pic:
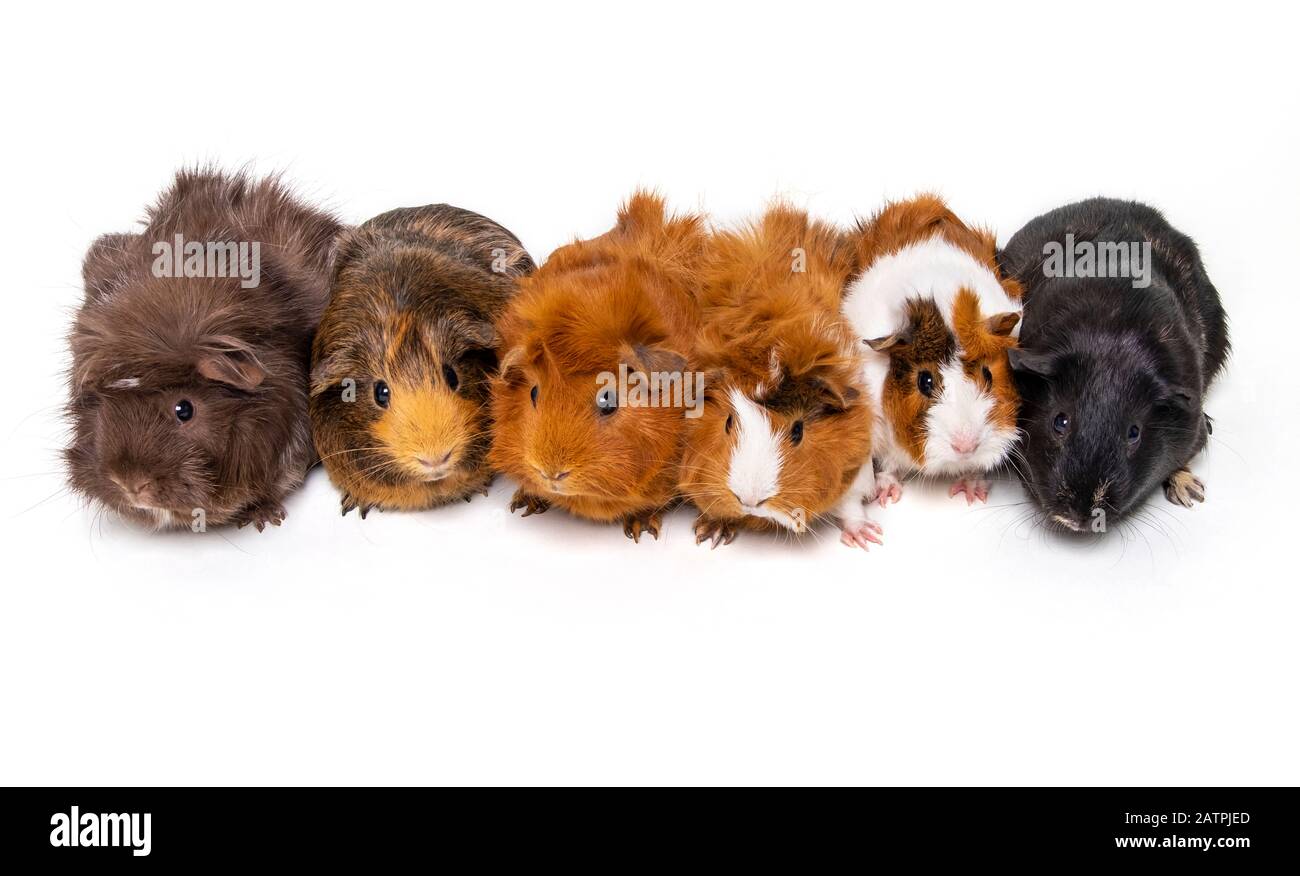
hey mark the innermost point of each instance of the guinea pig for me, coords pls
(404, 353)
(936, 318)
(785, 427)
(190, 353)
(600, 319)
(1123, 333)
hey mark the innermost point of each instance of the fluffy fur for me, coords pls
(936, 319)
(415, 295)
(627, 297)
(141, 345)
(1126, 368)
(785, 426)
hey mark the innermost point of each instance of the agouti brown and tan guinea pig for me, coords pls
(786, 425)
(626, 298)
(404, 353)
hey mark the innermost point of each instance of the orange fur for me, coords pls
(776, 335)
(629, 296)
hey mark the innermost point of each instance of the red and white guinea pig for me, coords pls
(785, 426)
(935, 319)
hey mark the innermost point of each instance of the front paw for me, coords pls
(530, 503)
(860, 533)
(1184, 488)
(975, 488)
(716, 531)
(348, 502)
(642, 521)
(888, 488)
(261, 514)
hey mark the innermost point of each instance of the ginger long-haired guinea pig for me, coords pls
(403, 357)
(786, 427)
(190, 352)
(601, 317)
(936, 319)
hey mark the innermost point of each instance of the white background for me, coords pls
(467, 646)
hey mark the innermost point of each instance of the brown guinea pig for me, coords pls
(402, 359)
(936, 319)
(188, 388)
(589, 331)
(786, 427)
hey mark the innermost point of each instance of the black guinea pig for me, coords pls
(1122, 334)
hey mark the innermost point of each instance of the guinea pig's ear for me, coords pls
(648, 359)
(510, 367)
(1179, 397)
(1002, 324)
(104, 260)
(481, 334)
(886, 344)
(1026, 362)
(230, 361)
(836, 397)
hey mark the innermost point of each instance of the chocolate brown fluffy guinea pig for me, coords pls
(588, 331)
(936, 318)
(190, 354)
(786, 425)
(404, 355)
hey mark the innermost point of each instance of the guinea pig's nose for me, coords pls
(427, 461)
(964, 443)
(134, 487)
(553, 475)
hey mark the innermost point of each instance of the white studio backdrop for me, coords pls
(464, 645)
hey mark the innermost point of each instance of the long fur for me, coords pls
(142, 344)
(776, 353)
(629, 296)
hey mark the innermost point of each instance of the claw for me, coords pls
(861, 534)
(974, 488)
(646, 521)
(888, 488)
(1184, 488)
(530, 503)
(715, 531)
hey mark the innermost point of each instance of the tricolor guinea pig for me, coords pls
(1123, 333)
(600, 319)
(785, 427)
(935, 318)
(190, 353)
(406, 348)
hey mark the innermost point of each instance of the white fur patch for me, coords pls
(755, 471)
(875, 305)
(125, 383)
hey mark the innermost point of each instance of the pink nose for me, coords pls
(964, 444)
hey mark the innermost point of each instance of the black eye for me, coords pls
(1134, 433)
(796, 432)
(382, 393)
(925, 383)
(607, 402)
(533, 395)
(449, 375)
(988, 375)
(728, 426)
(184, 410)
(1061, 424)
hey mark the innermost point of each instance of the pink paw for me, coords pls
(861, 533)
(888, 488)
(973, 487)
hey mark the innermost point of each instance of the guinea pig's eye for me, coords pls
(988, 375)
(925, 383)
(382, 393)
(1134, 433)
(533, 395)
(607, 402)
(1061, 424)
(727, 428)
(184, 410)
(796, 432)
(449, 375)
